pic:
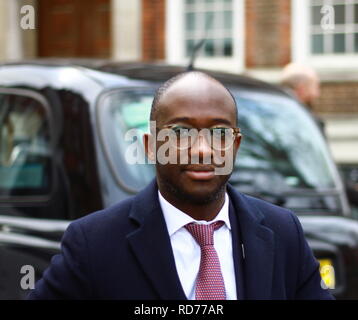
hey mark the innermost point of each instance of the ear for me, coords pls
(301, 92)
(237, 142)
(149, 147)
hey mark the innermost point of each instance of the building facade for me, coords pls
(255, 37)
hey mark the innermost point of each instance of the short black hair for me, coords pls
(164, 88)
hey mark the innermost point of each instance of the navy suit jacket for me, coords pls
(124, 252)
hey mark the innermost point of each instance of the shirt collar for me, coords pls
(176, 219)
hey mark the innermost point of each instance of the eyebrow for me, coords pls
(219, 120)
(187, 119)
(180, 119)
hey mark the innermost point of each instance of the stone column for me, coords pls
(126, 30)
(14, 48)
(3, 29)
(16, 44)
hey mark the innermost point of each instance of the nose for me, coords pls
(201, 149)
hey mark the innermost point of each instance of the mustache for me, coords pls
(198, 167)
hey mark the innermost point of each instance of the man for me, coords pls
(302, 82)
(189, 234)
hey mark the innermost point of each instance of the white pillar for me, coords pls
(126, 30)
(13, 43)
(3, 29)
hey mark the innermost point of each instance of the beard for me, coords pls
(181, 194)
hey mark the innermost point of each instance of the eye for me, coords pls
(181, 131)
(220, 132)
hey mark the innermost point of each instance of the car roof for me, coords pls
(145, 71)
(62, 75)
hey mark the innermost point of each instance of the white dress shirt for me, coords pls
(187, 252)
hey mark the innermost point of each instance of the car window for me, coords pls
(25, 155)
(284, 156)
(281, 138)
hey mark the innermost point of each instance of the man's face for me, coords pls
(309, 90)
(196, 102)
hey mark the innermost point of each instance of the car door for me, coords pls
(33, 201)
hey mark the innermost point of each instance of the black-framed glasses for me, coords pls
(183, 137)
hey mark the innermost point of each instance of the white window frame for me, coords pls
(300, 46)
(175, 44)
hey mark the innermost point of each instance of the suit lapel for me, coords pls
(258, 242)
(237, 253)
(151, 245)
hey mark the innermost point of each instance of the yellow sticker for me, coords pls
(327, 273)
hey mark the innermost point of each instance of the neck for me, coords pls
(198, 211)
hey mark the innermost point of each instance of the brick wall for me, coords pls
(338, 97)
(153, 30)
(268, 37)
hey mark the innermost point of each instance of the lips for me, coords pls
(200, 172)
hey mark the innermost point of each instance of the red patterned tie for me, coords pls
(209, 283)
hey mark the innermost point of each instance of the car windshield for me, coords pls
(281, 144)
(283, 156)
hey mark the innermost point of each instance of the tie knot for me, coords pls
(204, 233)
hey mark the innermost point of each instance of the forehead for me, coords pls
(198, 98)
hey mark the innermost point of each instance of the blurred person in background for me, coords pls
(302, 82)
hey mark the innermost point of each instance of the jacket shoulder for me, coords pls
(267, 209)
(102, 221)
(282, 221)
